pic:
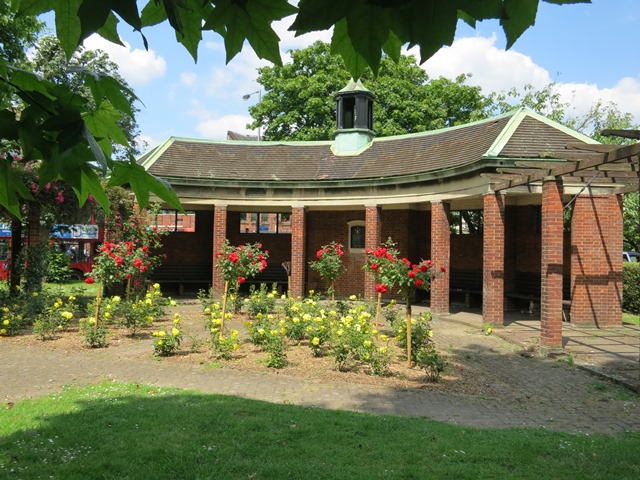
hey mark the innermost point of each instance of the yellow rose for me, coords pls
(156, 286)
(5, 322)
(35, 294)
(3, 331)
(315, 341)
(353, 298)
(161, 333)
(175, 332)
(160, 342)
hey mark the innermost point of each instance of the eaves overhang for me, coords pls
(447, 174)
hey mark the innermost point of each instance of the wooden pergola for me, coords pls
(613, 166)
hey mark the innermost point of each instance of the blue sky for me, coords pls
(589, 50)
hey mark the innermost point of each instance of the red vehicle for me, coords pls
(80, 242)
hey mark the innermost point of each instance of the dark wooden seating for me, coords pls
(467, 282)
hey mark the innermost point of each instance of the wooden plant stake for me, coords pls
(409, 340)
(224, 306)
(98, 300)
(378, 310)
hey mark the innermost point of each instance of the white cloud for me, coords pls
(146, 142)
(493, 69)
(188, 79)
(138, 67)
(581, 96)
(216, 128)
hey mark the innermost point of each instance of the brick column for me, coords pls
(551, 265)
(596, 260)
(373, 239)
(440, 256)
(298, 252)
(493, 258)
(219, 236)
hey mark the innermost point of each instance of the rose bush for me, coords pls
(329, 265)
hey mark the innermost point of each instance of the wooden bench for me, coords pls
(183, 274)
(468, 282)
(272, 275)
(528, 287)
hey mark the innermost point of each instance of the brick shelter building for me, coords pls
(521, 211)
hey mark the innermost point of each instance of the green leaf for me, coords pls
(98, 154)
(252, 21)
(521, 14)
(105, 87)
(103, 124)
(109, 30)
(29, 82)
(11, 187)
(68, 27)
(341, 44)
(191, 36)
(433, 29)
(142, 183)
(314, 15)
(154, 13)
(8, 125)
(34, 7)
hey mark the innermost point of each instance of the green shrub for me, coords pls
(58, 270)
(631, 287)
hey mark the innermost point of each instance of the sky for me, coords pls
(590, 51)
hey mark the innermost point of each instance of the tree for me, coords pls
(600, 117)
(299, 100)
(50, 62)
(63, 131)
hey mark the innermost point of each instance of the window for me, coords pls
(265, 222)
(174, 221)
(357, 238)
(466, 222)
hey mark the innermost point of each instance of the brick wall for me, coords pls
(493, 254)
(200, 243)
(596, 260)
(551, 265)
(440, 250)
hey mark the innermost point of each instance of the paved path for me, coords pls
(531, 392)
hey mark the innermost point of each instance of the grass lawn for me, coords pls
(126, 431)
(630, 318)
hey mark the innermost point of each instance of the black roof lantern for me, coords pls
(354, 107)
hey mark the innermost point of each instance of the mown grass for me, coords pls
(630, 318)
(126, 431)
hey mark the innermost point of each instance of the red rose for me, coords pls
(89, 280)
(418, 283)
(442, 269)
(241, 279)
(381, 288)
(319, 254)
(412, 274)
(423, 268)
(374, 266)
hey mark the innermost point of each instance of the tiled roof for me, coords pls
(518, 134)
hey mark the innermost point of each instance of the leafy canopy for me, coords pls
(69, 134)
(299, 102)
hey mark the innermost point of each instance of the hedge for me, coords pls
(631, 287)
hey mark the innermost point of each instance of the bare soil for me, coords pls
(460, 376)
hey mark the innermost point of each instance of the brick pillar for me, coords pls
(219, 236)
(551, 265)
(298, 252)
(493, 258)
(440, 256)
(596, 260)
(373, 239)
